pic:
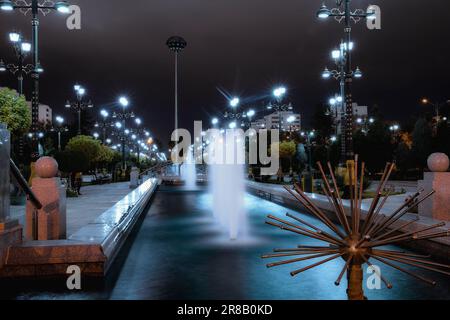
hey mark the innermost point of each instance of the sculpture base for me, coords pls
(437, 206)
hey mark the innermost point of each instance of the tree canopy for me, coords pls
(14, 112)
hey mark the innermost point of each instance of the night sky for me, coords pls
(245, 47)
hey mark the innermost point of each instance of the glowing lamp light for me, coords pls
(251, 113)
(26, 47)
(323, 12)
(62, 7)
(336, 54)
(358, 73)
(232, 125)
(14, 37)
(234, 102)
(214, 121)
(326, 74)
(279, 92)
(59, 119)
(124, 101)
(104, 113)
(6, 5)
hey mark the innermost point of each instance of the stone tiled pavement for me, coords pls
(94, 201)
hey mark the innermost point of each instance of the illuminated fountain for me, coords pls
(226, 176)
(188, 170)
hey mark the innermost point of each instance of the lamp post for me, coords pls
(21, 50)
(176, 44)
(104, 124)
(35, 7)
(59, 128)
(309, 177)
(343, 13)
(79, 105)
(436, 106)
(279, 94)
(121, 126)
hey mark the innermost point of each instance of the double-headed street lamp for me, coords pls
(36, 7)
(59, 128)
(104, 125)
(343, 13)
(21, 50)
(79, 105)
(123, 116)
(279, 94)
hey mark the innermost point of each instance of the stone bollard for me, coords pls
(134, 178)
(437, 206)
(48, 223)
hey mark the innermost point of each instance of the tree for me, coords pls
(287, 151)
(105, 156)
(14, 112)
(72, 161)
(374, 147)
(90, 147)
(323, 123)
(422, 142)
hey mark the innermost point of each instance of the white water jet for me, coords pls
(188, 170)
(226, 182)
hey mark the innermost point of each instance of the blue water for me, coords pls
(179, 252)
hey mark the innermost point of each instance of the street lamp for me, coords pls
(59, 128)
(21, 50)
(343, 13)
(79, 105)
(121, 126)
(176, 44)
(437, 106)
(36, 7)
(278, 94)
(104, 124)
(214, 121)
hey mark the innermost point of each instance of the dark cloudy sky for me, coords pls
(244, 46)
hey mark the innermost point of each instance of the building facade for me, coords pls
(283, 120)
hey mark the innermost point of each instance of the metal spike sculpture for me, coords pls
(358, 241)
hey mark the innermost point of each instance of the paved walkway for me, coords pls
(91, 204)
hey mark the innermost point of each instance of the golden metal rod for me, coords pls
(294, 273)
(297, 231)
(416, 265)
(395, 230)
(319, 231)
(332, 199)
(317, 211)
(377, 221)
(338, 196)
(401, 253)
(372, 206)
(404, 270)
(386, 282)
(417, 260)
(433, 235)
(317, 214)
(275, 264)
(303, 229)
(396, 216)
(292, 254)
(408, 234)
(338, 281)
(361, 191)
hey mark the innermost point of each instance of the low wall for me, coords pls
(93, 248)
(439, 248)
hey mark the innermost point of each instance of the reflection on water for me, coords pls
(179, 253)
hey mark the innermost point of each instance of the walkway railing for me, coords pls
(23, 185)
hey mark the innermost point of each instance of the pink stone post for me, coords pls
(438, 206)
(48, 223)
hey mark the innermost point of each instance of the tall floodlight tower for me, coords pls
(176, 44)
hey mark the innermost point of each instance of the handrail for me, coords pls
(24, 185)
(154, 168)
